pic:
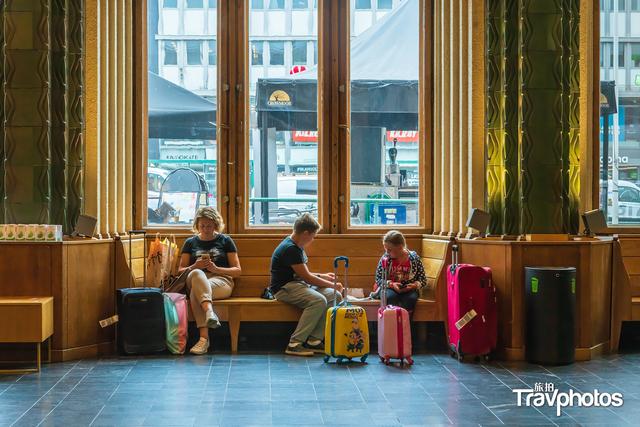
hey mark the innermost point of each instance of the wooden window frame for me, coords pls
(425, 127)
(333, 114)
(595, 179)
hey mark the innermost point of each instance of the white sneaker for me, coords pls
(212, 319)
(201, 347)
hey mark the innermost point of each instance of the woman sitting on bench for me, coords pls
(212, 258)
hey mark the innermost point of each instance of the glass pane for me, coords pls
(299, 52)
(283, 133)
(256, 53)
(257, 4)
(363, 4)
(194, 54)
(300, 4)
(619, 176)
(170, 53)
(213, 52)
(276, 53)
(182, 149)
(276, 4)
(385, 4)
(213, 4)
(193, 4)
(385, 144)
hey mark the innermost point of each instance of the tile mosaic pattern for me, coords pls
(273, 389)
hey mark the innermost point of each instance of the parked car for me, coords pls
(628, 202)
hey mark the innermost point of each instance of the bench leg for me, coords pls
(234, 329)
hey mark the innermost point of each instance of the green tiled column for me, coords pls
(27, 111)
(41, 108)
(532, 116)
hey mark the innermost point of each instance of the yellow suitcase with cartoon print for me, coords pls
(346, 333)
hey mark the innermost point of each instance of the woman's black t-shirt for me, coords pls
(218, 248)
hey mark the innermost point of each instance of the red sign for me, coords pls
(400, 135)
(305, 135)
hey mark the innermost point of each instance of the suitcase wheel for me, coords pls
(487, 357)
(363, 359)
(409, 361)
(326, 359)
(387, 360)
(339, 360)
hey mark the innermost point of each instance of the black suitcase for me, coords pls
(141, 322)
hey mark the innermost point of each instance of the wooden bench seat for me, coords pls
(245, 304)
(625, 298)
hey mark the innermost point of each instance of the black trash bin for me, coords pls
(550, 305)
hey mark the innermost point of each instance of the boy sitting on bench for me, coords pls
(293, 283)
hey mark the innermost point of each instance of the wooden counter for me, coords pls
(78, 275)
(592, 260)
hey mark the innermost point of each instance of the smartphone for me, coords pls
(205, 256)
(402, 285)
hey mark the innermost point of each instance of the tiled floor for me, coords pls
(271, 389)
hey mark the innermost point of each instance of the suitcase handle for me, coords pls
(336, 261)
(144, 253)
(385, 277)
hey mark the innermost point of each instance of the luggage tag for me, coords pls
(108, 321)
(469, 315)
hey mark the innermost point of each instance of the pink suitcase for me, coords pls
(394, 330)
(472, 316)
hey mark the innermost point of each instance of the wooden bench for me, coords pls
(245, 304)
(625, 298)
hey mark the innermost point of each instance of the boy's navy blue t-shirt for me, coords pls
(286, 254)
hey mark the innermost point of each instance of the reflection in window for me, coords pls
(619, 175)
(182, 149)
(170, 53)
(257, 4)
(194, 52)
(276, 53)
(363, 4)
(384, 139)
(299, 49)
(256, 53)
(213, 52)
(282, 130)
(385, 4)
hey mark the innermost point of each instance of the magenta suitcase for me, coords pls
(394, 331)
(472, 314)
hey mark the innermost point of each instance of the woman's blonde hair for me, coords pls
(394, 237)
(209, 213)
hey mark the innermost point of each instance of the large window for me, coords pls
(182, 149)
(384, 143)
(283, 132)
(619, 176)
(262, 140)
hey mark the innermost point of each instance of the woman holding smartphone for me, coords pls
(403, 271)
(212, 260)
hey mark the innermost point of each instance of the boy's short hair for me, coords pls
(306, 222)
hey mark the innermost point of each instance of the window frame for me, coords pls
(233, 62)
(595, 121)
(425, 130)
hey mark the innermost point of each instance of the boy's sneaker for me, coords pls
(317, 346)
(201, 347)
(297, 349)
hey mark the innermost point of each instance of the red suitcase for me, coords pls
(473, 314)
